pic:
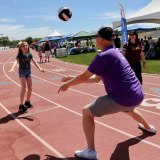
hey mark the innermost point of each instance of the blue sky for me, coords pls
(20, 19)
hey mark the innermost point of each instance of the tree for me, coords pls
(29, 40)
(4, 41)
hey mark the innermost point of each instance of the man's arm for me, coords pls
(81, 78)
(93, 79)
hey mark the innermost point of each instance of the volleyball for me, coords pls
(64, 13)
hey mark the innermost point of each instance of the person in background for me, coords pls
(47, 50)
(123, 89)
(24, 58)
(40, 53)
(117, 42)
(133, 52)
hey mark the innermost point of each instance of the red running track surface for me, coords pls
(52, 129)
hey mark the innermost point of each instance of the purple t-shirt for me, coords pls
(119, 80)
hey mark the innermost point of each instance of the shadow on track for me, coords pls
(12, 117)
(48, 157)
(121, 152)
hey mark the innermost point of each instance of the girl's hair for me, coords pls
(20, 46)
(136, 34)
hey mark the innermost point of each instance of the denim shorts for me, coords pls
(24, 73)
(105, 105)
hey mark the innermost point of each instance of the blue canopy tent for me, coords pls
(54, 38)
(68, 36)
(43, 40)
(65, 38)
(50, 39)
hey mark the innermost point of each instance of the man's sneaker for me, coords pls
(28, 104)
(88, 154)
(22, 108)
(151, 130)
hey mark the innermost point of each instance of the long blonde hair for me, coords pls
(20, 46)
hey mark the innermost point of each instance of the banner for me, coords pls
(124, 26)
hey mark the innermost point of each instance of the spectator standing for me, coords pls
(151, 48)
(47, 50)
(40, 53)
(134, 54)
(117, 42)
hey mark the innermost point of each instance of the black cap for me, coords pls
(106, 33)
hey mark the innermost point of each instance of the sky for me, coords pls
(20, 19)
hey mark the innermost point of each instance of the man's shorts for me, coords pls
(47, 53)
(24, 73)
(105, 105)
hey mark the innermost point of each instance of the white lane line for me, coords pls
(52, 71)
(98, 122)
(97, 96)
(151, 75)
(154, 84)
(69, 88)
(88, 93)
(53, 150)
(44, 110)
(149, 111)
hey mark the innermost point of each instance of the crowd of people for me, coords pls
(150, 47)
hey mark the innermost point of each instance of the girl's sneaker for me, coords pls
(87, 154)
(22, 108)
(28, 104)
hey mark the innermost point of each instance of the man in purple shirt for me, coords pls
(124, 91)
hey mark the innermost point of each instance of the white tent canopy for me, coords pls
(55, 34)
(148, 14)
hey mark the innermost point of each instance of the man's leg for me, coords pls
(136, 115)
(89, 127)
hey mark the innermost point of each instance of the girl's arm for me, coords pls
(37, 65)
(13, 66)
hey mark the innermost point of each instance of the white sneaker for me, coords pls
(152, 129)
(88, 154)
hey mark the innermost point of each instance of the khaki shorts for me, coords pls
(105, 105)
(47, 53)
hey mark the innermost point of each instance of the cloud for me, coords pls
(4, 20)
(43, 17)
(18, 32)
(110, 15)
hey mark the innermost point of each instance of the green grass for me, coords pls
(153, 66)
(84, 59)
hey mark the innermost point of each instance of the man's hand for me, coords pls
(63, 88)
(65, 79)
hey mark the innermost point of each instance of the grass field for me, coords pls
(153, 66)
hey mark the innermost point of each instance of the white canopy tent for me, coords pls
(55, 34)
(148, 14)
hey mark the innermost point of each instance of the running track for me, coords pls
(52, 130)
